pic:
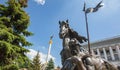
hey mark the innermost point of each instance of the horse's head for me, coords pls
(64, 28)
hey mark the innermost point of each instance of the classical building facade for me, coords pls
(108, 49)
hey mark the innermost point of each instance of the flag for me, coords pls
(84, 8)
(89, 10)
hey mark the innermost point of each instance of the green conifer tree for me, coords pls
(14, 22)
(50, 65)
(36, 62)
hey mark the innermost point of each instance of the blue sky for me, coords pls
(44, 19)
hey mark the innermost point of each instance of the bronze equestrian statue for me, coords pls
(69, 38)
(75, 57)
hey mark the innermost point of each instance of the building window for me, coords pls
(116, 56)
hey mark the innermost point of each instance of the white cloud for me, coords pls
(42, 2)
(43, 56)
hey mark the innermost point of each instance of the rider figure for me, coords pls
(75, 46)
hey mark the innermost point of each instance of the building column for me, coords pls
(98, 52)
(111, 53)
(105, 54)
(118, 51)
(92, 52)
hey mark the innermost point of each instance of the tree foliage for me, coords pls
(14, 22)
(50, 65)
(36, 62)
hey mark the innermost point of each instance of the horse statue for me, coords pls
(74, 56)
(69, 37)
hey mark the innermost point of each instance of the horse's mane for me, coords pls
(74, 34)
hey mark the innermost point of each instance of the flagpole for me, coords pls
(87, 29)
(88, 10)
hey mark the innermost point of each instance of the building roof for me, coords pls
(107, 41)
